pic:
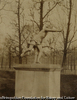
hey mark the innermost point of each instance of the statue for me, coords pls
(37, 43)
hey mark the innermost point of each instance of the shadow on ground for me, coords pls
(7, 83)
(68, 85)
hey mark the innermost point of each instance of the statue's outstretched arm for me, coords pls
(50, 30)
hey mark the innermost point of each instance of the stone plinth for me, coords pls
(37, 80)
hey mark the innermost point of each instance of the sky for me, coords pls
(56, 16)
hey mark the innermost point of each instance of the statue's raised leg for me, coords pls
(28, 49)
(39, 56)
(36, 54)
(39, 53)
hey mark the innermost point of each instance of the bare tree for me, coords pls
(68, 42)
(20, 49)
(3, 4)
(40, 10)
(22, 30)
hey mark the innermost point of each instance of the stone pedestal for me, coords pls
(37, 80)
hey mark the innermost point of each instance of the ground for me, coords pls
(7, 84)
(69, 85)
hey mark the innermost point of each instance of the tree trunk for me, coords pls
(9, 57)
(67, 35)
(64, 58)
(20, 49)
(41, 15)
(74, 59)
(2, 60)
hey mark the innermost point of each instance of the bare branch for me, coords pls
(3, 6)
(23, 29)
(73, 40)
(21, 11)
(12, 39)
(36, 23)
(16, 36)
(73, 34)
(25, 38)
(0, 19)
(36, 1)
(50, 10)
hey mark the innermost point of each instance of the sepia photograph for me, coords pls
(38, 49)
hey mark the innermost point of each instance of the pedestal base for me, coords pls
(37, 80)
